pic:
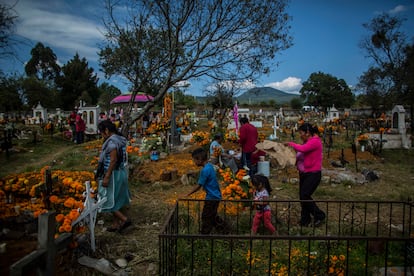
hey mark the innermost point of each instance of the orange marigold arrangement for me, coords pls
(200, 138)
(217, 151)
(234, 187)
(27, 191)
(363, 139)
(261, 137)
(231, 136)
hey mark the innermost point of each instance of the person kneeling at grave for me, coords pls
(218, 155)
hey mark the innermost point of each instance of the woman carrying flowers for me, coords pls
(113, 175)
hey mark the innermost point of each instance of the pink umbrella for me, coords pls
(125, 98)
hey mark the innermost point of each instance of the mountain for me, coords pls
(265, 94)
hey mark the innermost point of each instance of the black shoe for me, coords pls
(318, 222)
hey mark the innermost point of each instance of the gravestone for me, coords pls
(398, 119)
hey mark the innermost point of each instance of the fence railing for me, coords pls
(356, 238)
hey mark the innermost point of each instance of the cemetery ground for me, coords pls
(152, 198)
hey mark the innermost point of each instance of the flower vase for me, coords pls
(154, 156)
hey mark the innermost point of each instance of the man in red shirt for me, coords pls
(80, 128)
(248, 137)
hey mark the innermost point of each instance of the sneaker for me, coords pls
(246, 168)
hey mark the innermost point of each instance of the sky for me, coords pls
(326, 34)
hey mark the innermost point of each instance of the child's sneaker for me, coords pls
(246, 168)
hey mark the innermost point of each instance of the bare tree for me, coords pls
(160, 43)
(220, 97)
(8, 19)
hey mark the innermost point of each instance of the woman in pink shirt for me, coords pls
(310, 173)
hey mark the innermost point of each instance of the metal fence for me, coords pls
(356, 238)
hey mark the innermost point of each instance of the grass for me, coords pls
(28, 156)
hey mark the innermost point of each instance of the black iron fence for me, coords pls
(356, 238)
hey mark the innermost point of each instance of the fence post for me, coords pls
(46, 240)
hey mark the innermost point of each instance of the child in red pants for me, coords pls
(261, 194)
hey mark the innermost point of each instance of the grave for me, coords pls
(397, 136)
(90, 115)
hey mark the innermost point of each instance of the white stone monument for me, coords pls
(332, 114)
(40, 114)
(90, 115)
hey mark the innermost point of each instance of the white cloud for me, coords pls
(240, 85)
(397, 9)
(183, 84)
(289, 85)
(247, 84)
(59, 30)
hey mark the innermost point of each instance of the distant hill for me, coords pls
(260, 94)
(265, 94)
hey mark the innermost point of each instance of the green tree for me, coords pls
(408, 81)
(324, 90)
(78, 78)
(384, 45)
(296, 103)
(8, 19)
(107, 93)
(161, 43)
(220, 97)
(38, 91)
(375, 87)
(43, 64)
(180, 98)
(10, 98)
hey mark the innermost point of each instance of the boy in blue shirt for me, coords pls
(208, 181)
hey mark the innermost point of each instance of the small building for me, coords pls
(90, 115)
(331, 114)
(39, 114)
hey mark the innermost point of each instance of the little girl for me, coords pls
(261, 194)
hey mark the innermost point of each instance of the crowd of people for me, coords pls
(113, 177)
(309, 165)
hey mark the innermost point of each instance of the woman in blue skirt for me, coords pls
(113, 175)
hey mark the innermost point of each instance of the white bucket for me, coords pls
(263, 167)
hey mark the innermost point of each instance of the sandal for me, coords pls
(112, 229)
(127, 223)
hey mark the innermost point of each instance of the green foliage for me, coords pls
(38, 91)
(283, 257)
(184, 100)
(78, 78)
(10, 99)
(324, 90)
(386, 82)
(296, 103)
(43, 64)
(107, 93)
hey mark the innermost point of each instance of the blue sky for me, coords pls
(325, 34)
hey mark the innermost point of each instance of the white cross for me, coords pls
(89, 213)
(275, 127)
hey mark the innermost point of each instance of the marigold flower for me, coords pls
(67, 228)
(54, 199)
(59, 218)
